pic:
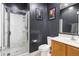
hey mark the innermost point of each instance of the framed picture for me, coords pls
(38, 15)
(52, 13)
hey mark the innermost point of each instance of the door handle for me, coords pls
(9, 33)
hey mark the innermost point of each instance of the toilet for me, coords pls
(44, 49)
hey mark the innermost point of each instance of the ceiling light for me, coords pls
(66, 4)
(71, 8)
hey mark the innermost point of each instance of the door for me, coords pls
(0, 26)
(3, 15)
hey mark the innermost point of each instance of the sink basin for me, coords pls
(67, 40)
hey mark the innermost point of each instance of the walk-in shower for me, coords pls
(15, 31)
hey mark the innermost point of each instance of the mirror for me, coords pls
(69, 20)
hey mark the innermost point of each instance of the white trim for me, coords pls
(61, 25)
(2, 29)
(28, 18)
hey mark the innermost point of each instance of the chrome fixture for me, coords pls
(73, 38)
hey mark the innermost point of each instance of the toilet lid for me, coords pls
(44, 47)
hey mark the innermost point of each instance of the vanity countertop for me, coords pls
(66, 40)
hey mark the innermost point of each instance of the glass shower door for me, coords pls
(18, 35)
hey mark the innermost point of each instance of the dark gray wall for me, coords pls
(53, 25)
(38, 28)
(41, 29)
(69, 17)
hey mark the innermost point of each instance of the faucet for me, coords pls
(72, 37)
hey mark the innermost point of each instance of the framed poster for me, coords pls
(38, 15)
(52, 13)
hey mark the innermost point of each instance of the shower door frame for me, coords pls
(4, 53)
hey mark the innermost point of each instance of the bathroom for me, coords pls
(27, 26)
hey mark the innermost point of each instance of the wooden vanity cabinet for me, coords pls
(58, 49)
(61, 49)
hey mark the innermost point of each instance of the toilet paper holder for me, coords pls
(34, 41)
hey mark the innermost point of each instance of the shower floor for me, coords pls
(14, 51)
(19, 52)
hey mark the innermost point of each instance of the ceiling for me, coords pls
(21, 6)
(62, 5)
(18, 8)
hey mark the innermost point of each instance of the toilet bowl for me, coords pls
(44, 49)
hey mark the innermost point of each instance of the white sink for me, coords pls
(69, 41)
